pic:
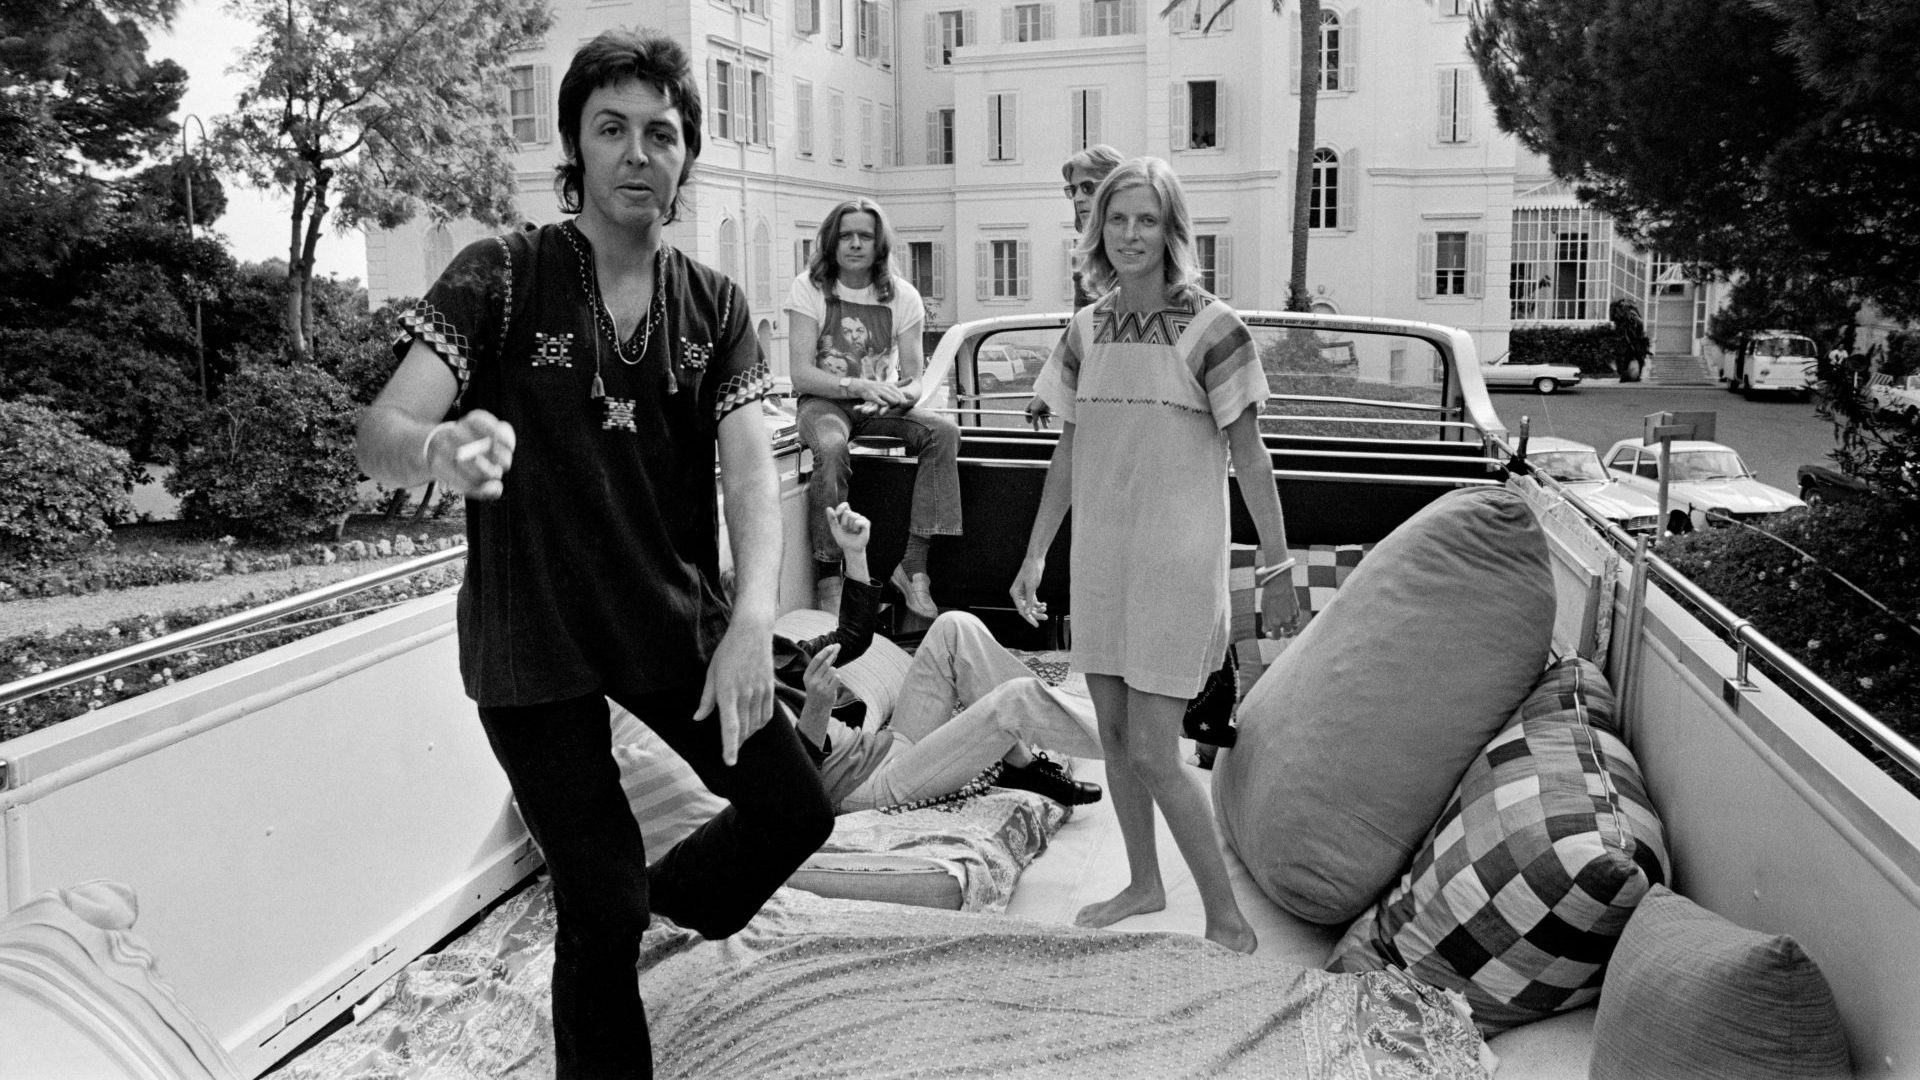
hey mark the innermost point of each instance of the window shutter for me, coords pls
(1443, 97)
(1349, 190)
(1220, 113)
(969, 29)
(1046, 22)
(1224, 20)
(799, 257)
(836, 37)
(1294, 58)
(887, 142)
(543, 103)
(886, 36)
(1464, 102)
(806, 16)
(1223, 265)
(933, 39)
(1477, 264)
(1076, 121)
(1010, 125)
(1425, 269)
(1349, 48)
(741, 130)
(1287, 187)
(1086, 18)
(983, 269)
(719, 126)
(1023, 284)
(939, 268)
(1006, 25)
(803, 116)
(933, 137)
(1066, 262)
(993, 127)
(1129, 17)
(1096, 125)
(1177, 115)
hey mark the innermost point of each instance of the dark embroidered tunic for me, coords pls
(598, 569)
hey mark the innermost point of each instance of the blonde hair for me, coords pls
(1090, 254)
(824, 268)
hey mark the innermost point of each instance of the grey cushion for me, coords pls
(1352, 741)
(1690, 994)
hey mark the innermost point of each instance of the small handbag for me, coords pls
(1209, 716)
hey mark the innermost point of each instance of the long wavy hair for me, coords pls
(824, 268)
(1090, 254)
(616, 56)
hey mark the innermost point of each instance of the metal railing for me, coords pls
(208, 632)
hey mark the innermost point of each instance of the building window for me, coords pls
(1562, 265)
(1106, 18)
(720, 91)
(762, 266)
(1002, 266)
(1323, 198)
(803, 116)
(940, 137)
(1452, 9)
(802, 250)
(866, 134)
(866, 29)
(1003, 127)
(1453, 263)
(837, 126)
(947, 31)
(1202, 17)
(729, 260)
(1214, 253)
(806, 16)
(1196, 115)
(927, 267)
(889, 145)
(1450, 264)
(1027, 22)
(836, 33)
(1330, 51)
(528, 102)
(1454, 99)
(1083, 124)
(759, 108)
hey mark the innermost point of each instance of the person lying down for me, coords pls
(925, 751)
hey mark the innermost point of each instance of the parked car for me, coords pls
(1771, 361)
(1819, 484)
(1000, 365)
(1892, 395)
(1577, 467)
(1707, 477)
(1544, 378)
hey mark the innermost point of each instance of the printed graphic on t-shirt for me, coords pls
(857, 340)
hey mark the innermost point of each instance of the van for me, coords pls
(1771, 361)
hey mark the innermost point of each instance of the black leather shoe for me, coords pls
(1045, 777)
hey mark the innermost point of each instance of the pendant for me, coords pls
(599, 389)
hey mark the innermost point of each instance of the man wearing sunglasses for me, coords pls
(1083, 172)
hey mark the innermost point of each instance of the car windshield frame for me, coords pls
(1715, 464)
(1567, 471)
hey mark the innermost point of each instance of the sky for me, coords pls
(206, 40)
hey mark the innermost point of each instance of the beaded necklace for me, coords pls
(603, 316)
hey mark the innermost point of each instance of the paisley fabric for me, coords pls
(841, 988)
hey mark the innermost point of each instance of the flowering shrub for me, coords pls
(32, 654)
(62, 489)
(125, 570)
(274, 456)
(1795, 600)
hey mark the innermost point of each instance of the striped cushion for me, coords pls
(82, 996)
(1524, 885)
(666, 795)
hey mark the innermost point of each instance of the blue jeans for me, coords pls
(825, 425)
(558, 757)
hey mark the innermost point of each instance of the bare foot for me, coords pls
(1129, 902)
(1240, 937)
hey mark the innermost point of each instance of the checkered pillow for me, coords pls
(1521, 889)
(1317, 572)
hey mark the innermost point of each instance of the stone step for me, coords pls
(1682, 370)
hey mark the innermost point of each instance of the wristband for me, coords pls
(426, 448)
(1264, 574)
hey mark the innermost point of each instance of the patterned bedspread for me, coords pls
(817, 988)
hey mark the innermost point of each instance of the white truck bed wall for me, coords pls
(1775, 823)
(296, 826)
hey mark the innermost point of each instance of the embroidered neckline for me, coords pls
(603, 317)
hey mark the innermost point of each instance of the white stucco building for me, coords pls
(956, 117)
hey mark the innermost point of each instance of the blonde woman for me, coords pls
(1158, 385)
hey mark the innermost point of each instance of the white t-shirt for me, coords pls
(859, 335)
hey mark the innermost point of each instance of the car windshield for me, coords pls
(1793, 346)
(1707, 465)
(1570, 465)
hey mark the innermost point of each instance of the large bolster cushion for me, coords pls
(1353, 740)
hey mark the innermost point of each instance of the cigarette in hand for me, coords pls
(474, 449)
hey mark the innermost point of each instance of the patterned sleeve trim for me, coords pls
(745, 388)
(426, 324)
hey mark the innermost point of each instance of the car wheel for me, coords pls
(1746, 387)
(988, 384)
(1545, 385)
(1810, 494)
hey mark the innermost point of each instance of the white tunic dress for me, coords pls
(1149, 397)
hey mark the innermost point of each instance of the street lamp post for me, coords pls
(186, 173)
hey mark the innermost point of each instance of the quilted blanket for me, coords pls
(818, 988)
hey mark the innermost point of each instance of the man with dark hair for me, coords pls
(1083, 173)
(593, 370)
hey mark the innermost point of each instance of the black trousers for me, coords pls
(558, 758)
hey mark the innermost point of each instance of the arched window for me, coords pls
(729, 260)
(1330, 46)
(1323, 198)
(762, 265)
